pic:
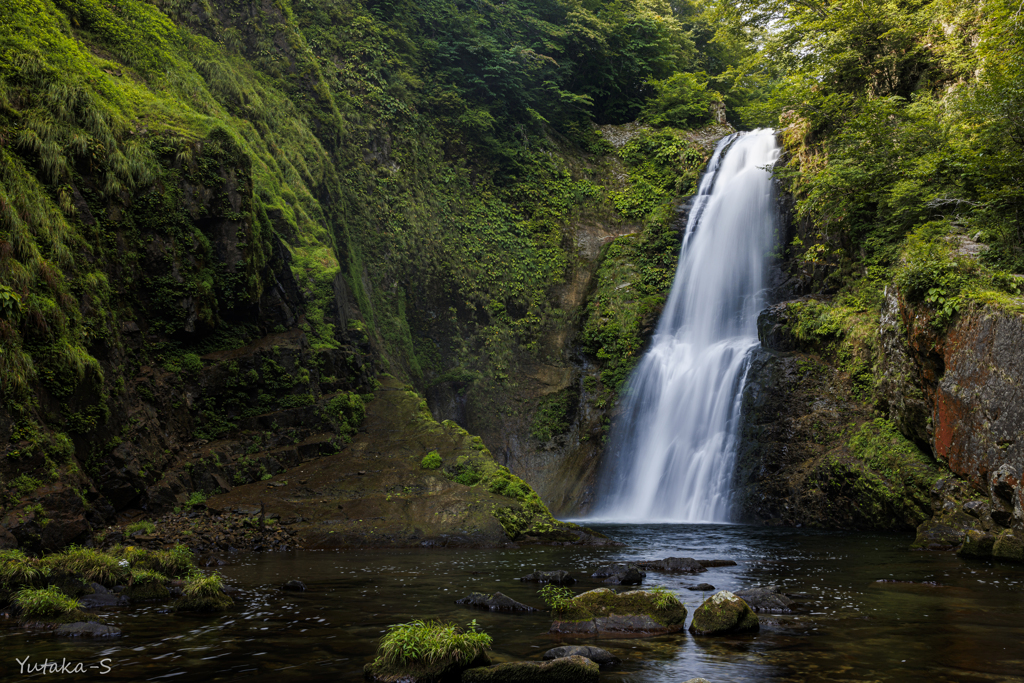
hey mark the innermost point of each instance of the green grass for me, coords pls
(90, 564)
(47, 604)
(144, 527)
(18, 569)
(429, 644)
(204, 593)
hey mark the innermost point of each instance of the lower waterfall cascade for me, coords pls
(672, 449)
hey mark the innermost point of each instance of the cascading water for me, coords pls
(672, 449)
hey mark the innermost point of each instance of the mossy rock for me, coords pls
(723, 613)
(638, 613)
(977, 544)
(572, 669)
(150, 591)
(207, 603)
(945, 531)
(1009, 545)
(447, 672)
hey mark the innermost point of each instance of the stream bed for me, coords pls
(868, 610)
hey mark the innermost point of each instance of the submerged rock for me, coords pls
(573, 669)
(294, 585)
(723, 613)
(87, 628)
(422, 673)
(594, 654)
(766, 599)
(104, 600)
(705, 587)
(558, 577)
(602, 611)
(717, 563)
(499, 602)
(677, 565)
(625, 574)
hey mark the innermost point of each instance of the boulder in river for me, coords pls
(1009, 545)
(766, 599)
(620, 573)
(95, 601)
(499, 602)
(293, 585)
(674, 565)
(717, 563)
(977, 544)
(945, 531)
(573, 669)
(594, 654)
(639, 613)
(723, 613)
(703, 587)
(90, 629)
(559, 577)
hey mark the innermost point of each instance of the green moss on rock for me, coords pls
(572, 669)
(602, 610)
(723, 613)
(1009, 545)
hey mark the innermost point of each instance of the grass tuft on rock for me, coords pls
(430, 644)
(46, 604)
(92, 565)
(204, 593)
(18, 569)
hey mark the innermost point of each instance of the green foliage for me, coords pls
(204, 593)
(18, 569)
(431, 461)
(196, 498)
(682, 101)
(663, 166)
(557, 598)
(430, 644)
(91, 564)
(554, 415)
(45, 604)
(346, 412)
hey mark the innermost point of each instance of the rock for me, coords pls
(723, 613)
(1003, 481)
(640, 613)
(422, 673)
(559, 577)
(99, 588)
(1009, 545)
(675, 565)
(945, 531)
(705, 587)
(150, 591)
(977, 544)
(594, 654)
(766, 599)
(625, 574)
(573, 669)
(499, 602)
(697, 680)
(773, 328)
(99, 601)
(87, 628)
(293, 585)
(717, 563)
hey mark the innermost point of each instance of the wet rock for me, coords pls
(87, 628)
(559, 577)
(977, 544)
(717, 563)
(675, 565)
(294, 585)
(705, 587)
(945, 531)
(697, 680)
(100, 601)
(1009, 545)
(594, 654)
(1003, 481)
(773, 328)
(723, 613)
(499, 602)
(624, 574)
(422, 673)
(98, 588)
(766, 599)
(573, 669)
(639, 613)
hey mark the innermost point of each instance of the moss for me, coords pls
(723, 613)
(1009, 545)
(664, 608)
(431, 461)
(555, 413)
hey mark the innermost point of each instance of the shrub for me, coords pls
(144, 527)
(431, 461)
(557, 598)
(47, 604)
(430, 643)
(18, 569)
(92, 565)
(146, 584)
(682, 100)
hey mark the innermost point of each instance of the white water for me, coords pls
(673, 448)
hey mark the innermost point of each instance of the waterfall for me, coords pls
(671, 451)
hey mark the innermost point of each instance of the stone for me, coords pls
(558, 577)
(594, 654)
(499, 602)
(723, 613)
(717, 563)
(573, 669)
(705, 587)
(639, 613)
(422, 673)
(1009, 545)
(675, 565)
(625, 574)
(766, 599)
(945, 531)
(977, 544)
(87, 628)
(293, 585)
(1003, 481)
(697, 680)
(105, 600)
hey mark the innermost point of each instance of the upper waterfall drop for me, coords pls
(672, 449)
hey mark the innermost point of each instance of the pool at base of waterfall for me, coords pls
(866, 609)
